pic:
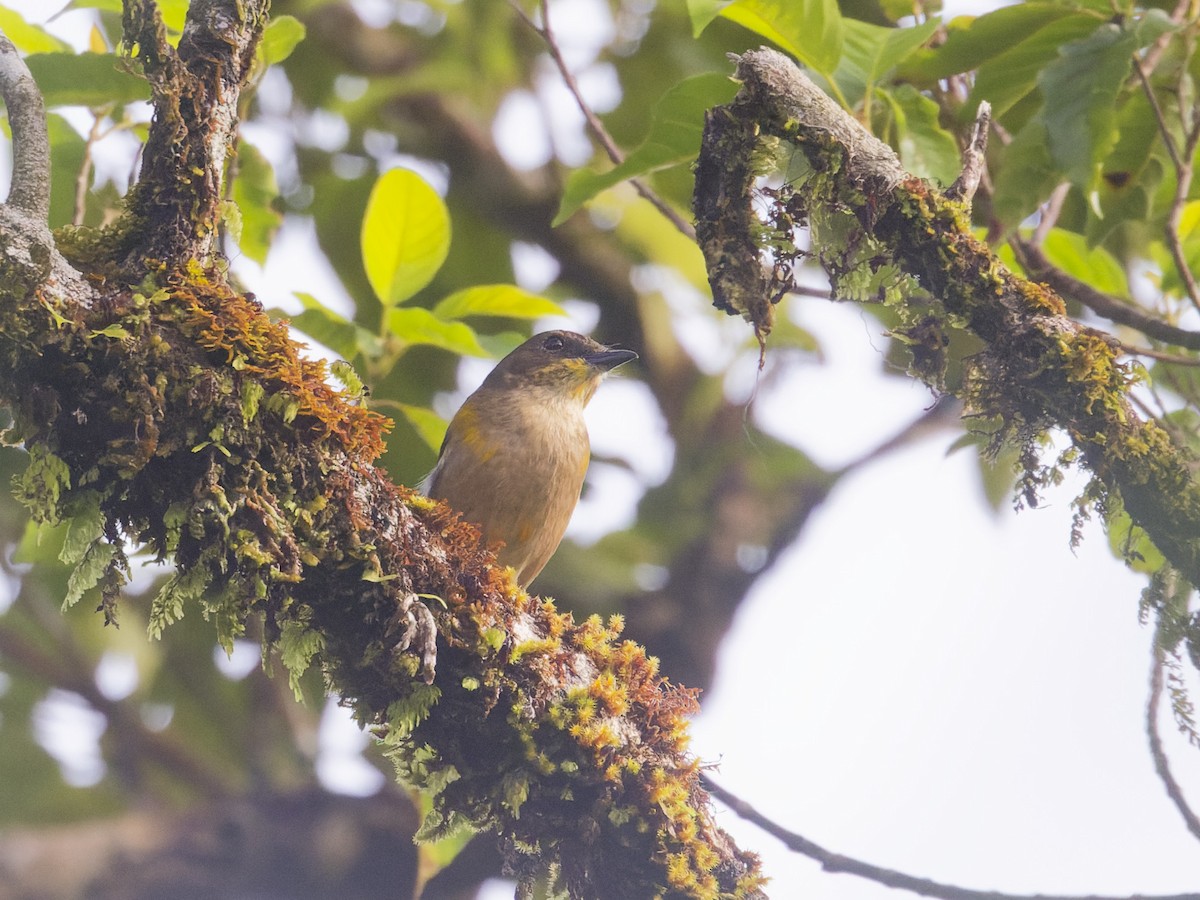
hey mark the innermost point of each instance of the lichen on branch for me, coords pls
(1036, 369)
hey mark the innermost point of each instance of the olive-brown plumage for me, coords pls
(515, 454)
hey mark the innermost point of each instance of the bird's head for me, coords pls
(563, 363)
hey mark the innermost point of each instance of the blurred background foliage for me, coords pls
(156, 740)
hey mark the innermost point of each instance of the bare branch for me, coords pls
(1041, 269)
(595, 126)
(30, 191)
(974, 157)
(1161, 764)
(1182, 160)
(835, 862)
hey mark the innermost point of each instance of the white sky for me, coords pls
(919, 683)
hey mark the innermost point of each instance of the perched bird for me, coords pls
(515, 454)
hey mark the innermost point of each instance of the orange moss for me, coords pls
(236, 327)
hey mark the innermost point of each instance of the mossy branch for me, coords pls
(1038, 369)
(175, 206)
(167, 411)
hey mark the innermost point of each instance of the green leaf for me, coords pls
(42, 484)
(870, 52)
(407, 713)
(702, 12)
(1010, 31)
(1131, 543)
(1013, 75)
(1132, 171)
(167, 606)
(251, 396)
(677, 124)
(67, 152)
(174, 12)
(280, 38)
(810, 30)
(336, 332)
(405, 235)
(85, 79)
(27, 37)
(1079, 92)
(1095, 265)
(102, 5)
(1026, 177)
(420, 326)
(429, 425)
(496, 300)
(115, 331)
(255, 191)
(925, 148)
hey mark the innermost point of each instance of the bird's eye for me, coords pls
(554, 343)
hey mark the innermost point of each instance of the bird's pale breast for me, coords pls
(523, 489)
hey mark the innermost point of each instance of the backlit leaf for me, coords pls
(27, 37)
(280, 38)
(810, 30)
(496, 300)
(85, 79)
(405, 235)
(420, 326)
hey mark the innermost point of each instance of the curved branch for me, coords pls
(1161, 764)
(835, 862)
(30, 191)
(1040, 268)
(1039, 369)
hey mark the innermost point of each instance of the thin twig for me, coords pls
(1161, 764)
(1173, 359)
(1160, 117)
(1182, 11)
(595, 126)
(974, 157)
(1182, 161)
(1051, 210)
(835, 862)
(30, 191)
(85, 169)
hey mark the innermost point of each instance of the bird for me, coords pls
(515, 454)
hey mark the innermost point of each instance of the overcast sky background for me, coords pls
(920, 683)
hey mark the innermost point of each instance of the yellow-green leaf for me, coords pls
(429, 425)
(496, 300)
(26, 37)
(420, 326)
(810, 30)
(405, 235)
(280, 38)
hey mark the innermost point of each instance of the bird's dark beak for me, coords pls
(610, 359)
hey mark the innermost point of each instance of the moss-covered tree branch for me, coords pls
(1038, 369)
(175, 207)
(166, 411)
